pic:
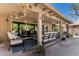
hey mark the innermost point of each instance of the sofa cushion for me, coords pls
(15, 42)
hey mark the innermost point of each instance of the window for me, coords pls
(18, 26)
(54, 27)
(45, 28)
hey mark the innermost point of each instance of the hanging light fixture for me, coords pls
(24, 10)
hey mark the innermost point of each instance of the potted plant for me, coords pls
(40, 50)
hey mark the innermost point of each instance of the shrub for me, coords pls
(39, 49)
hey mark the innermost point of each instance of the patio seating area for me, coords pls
(17, 43)
(28, 25)
(50, 37)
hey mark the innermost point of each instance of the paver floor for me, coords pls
(70, 47)
(4, 51)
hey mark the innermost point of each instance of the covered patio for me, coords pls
(41, 18)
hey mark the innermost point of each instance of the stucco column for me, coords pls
(40, 29)
(67, 26)
(72, 31)
(58, 28)
(61, 32)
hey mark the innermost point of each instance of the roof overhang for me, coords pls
(57, 12)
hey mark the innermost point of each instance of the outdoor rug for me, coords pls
(27, 45)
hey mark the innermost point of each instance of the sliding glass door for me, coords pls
(19, 26)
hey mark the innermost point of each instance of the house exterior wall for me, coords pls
(75, 30)
(49, 25)
(6, 24)
(3, 28)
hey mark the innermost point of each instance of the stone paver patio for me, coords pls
(70, 47)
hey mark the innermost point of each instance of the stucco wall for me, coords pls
(3, 28)
(49, 25)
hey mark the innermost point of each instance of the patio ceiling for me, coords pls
(10, 9)
(48, 19)
(33, 16)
